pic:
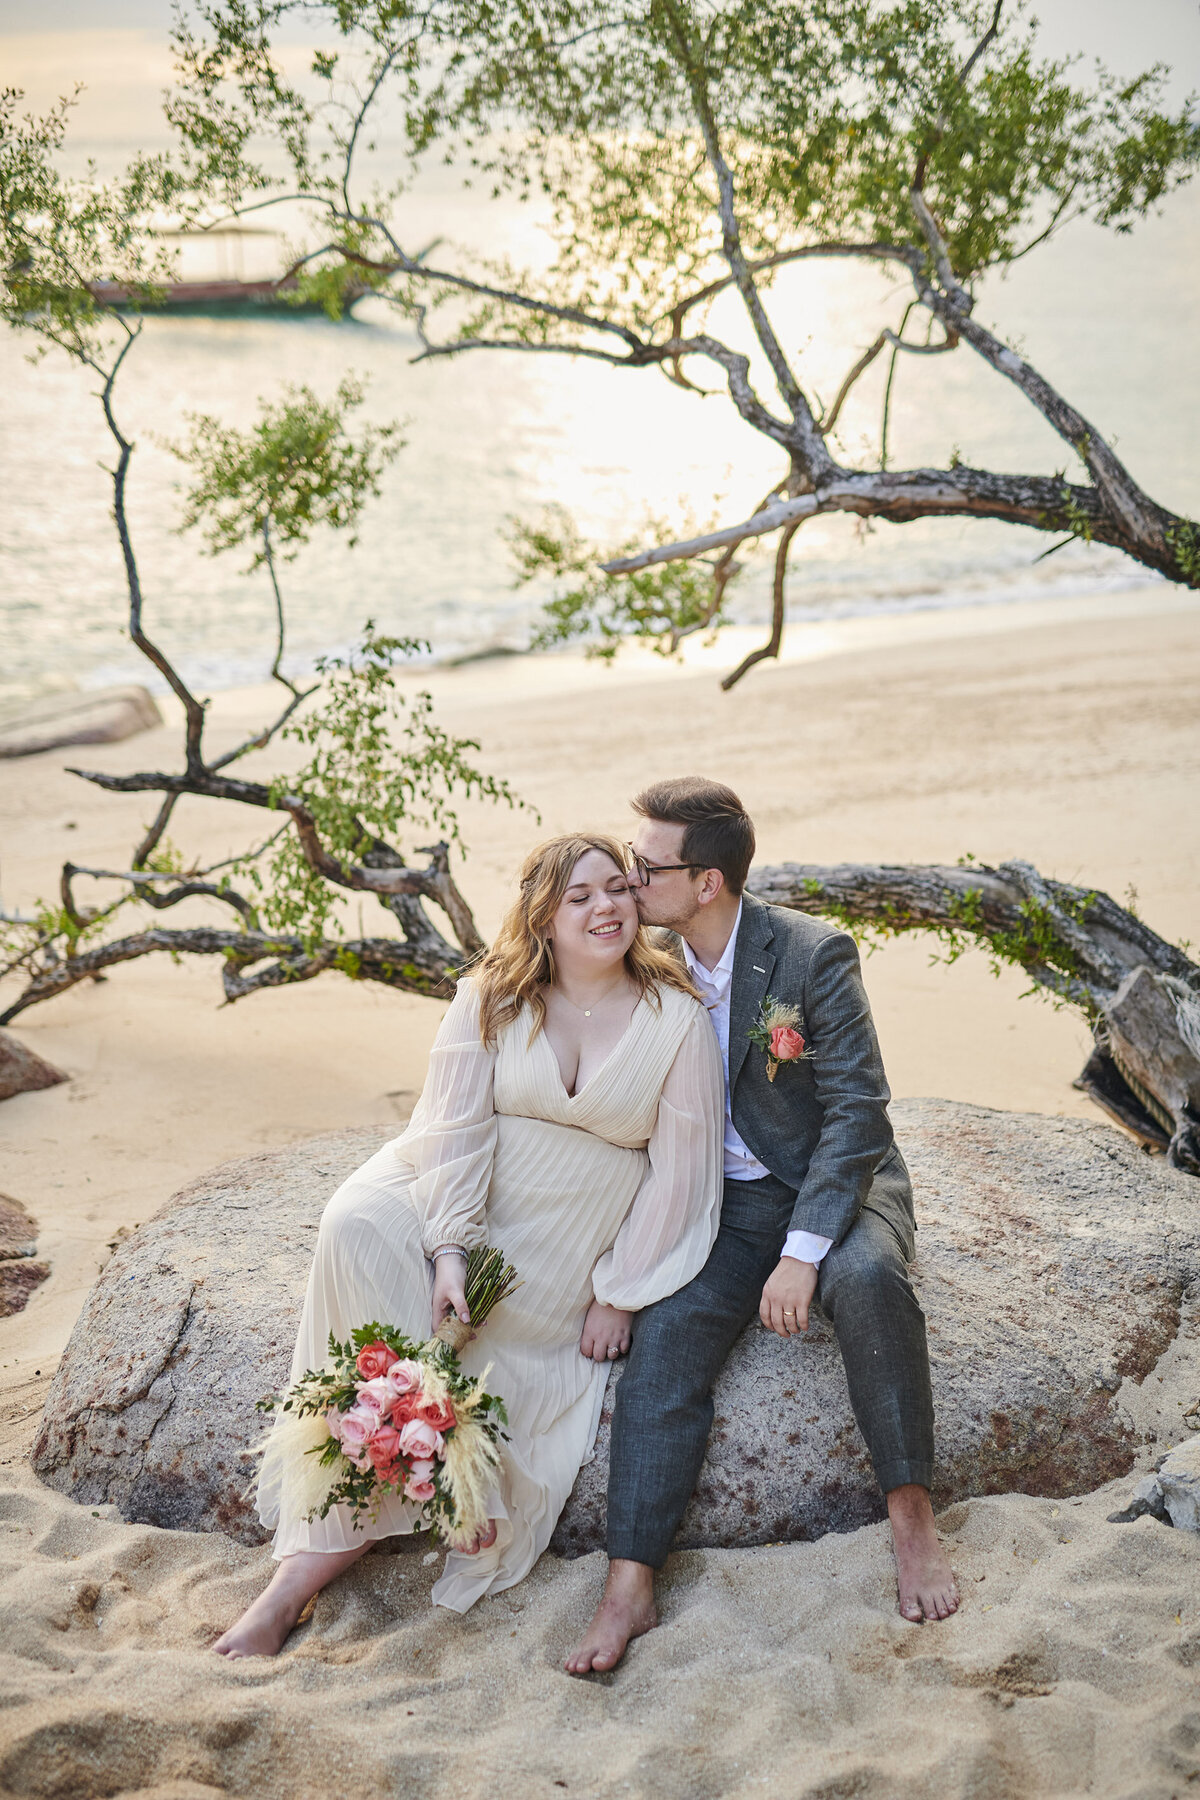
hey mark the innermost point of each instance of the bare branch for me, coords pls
(904, 253)
(1044, 503)
(807, 441)
(772, 646)
(416, 968)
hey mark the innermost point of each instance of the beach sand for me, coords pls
(1068, 736)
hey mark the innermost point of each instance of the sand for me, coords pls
(1066, 734)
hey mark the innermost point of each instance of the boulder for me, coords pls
(102, 717)
(1172, 1493)
(18, 1232)
(19, 1276)
(1055, 1263)
(22, 1070)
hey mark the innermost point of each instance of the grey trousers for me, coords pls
(664, 1410)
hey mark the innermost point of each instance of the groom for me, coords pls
(817, 1206)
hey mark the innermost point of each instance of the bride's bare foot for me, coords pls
(484, 1540)
(264, 1627)
(923, 1573)
(626, 1611)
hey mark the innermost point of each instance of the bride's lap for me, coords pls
(369, 1263)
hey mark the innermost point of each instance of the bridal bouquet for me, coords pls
(387, 1415)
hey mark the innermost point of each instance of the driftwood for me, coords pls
(1140, 994)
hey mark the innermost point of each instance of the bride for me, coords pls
(572, 1116)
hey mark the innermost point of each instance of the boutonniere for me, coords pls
(774, 1031)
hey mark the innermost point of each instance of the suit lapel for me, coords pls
(753, 963)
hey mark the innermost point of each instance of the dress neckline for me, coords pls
(594, 1078)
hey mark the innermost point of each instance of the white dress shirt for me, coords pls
(740, 1163)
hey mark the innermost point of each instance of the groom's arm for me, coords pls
(855, 1130)
(847, 1070)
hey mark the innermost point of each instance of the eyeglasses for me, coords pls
(644, 870)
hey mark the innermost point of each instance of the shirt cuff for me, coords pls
(806, 1246)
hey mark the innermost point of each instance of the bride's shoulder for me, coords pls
(676, 1009)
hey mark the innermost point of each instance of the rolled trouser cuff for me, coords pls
(902, 1473)
(638, 1548)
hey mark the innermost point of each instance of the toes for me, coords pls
(912, 1610)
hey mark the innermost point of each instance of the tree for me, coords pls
(378, 763)
(685, 151)
(1115, 153)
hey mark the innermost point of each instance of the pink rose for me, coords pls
(374, 1359)
(354, 1428)
(421, 1441)
(786, 1044)
(418, 1490)
(422, 1471)
(377, 1395)
(405, 1377)
(438, 1413)
(333, 1419)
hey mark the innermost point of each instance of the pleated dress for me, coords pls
(612, 1193)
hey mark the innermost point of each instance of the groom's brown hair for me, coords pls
(717, 832)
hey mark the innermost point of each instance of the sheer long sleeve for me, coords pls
(672, 1225)
(451, 1138)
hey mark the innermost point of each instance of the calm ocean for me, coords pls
(1112, 321)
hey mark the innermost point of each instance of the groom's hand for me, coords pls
(786, 1297)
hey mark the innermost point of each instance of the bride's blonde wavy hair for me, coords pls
(520, 962)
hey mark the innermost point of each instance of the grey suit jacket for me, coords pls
(822, 1125)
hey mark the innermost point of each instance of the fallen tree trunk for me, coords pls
(1139, 994)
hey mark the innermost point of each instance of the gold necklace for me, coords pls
(586, 1010)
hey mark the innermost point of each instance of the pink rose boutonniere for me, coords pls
(775, 1032)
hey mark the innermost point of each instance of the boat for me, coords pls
(225, 292)
(221, 298)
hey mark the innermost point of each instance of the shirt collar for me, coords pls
(720, 975)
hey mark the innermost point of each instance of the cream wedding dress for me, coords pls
(613, 1192)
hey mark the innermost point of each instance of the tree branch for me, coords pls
(772, 646)
(1043, 503)
(1140, 994)
(806, 441)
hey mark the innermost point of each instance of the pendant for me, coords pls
(587, 1013)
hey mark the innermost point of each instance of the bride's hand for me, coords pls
(449, 1274)
(605, 1332)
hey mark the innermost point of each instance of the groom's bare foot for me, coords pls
(923, 1573)
(626, 1611)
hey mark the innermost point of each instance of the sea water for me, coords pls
(1112, 322)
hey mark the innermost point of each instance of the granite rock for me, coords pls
(1172, 1493)
(22, 1070)
(1056, 1265)
(104, 716)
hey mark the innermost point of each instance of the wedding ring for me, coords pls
(789, 1312)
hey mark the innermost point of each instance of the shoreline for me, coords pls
(805, 639)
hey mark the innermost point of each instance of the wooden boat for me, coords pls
(221, 291)
(221, 298)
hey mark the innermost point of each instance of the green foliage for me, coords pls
(824, 113)
(1184, 540)
(656, 606)
(1036, 943)
(60, 238)
(298, 467)
(379, 765)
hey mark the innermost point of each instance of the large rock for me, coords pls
(103, 716)
(1054, 1260)
(22, 1070)
(19, 1275)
